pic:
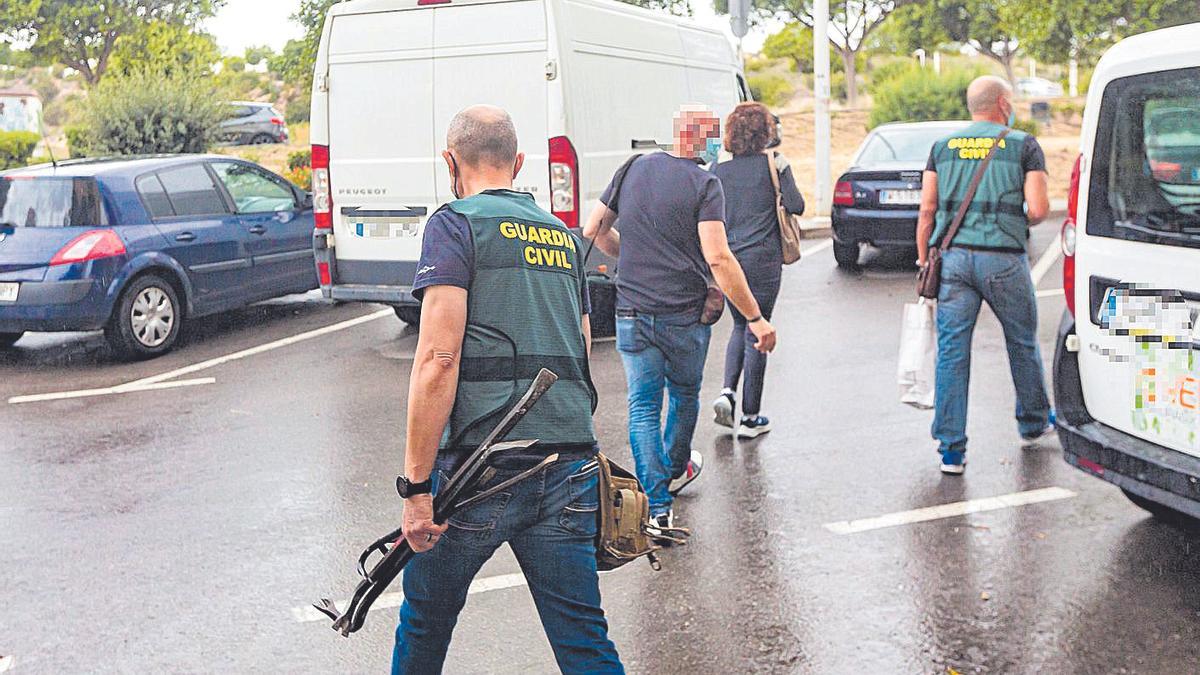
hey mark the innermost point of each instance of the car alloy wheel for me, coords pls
(152, 316)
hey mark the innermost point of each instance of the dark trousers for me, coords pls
(742, 360)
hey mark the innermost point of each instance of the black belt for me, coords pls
(626, 313)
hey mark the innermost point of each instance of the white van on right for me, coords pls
(1127, 366)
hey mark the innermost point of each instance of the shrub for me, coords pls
(299, 158)
(150, 112)
(889, 71)
(300, 175)
(837, 85)
(919, 95)
(298, 107)
(79, 141)
(1029, 126)
(16, 147)
(770, 89)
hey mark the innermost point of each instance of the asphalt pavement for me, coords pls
(179, 515)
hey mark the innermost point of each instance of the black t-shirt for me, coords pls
(1032, 157)
(661, 269)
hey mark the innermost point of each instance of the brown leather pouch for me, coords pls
(714, 306)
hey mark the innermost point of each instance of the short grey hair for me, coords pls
(984, 92)
(483, 135)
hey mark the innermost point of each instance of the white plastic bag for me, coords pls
(918, 354)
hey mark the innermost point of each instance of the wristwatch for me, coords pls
(406, 488)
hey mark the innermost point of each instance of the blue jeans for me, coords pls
(1001, 279)
(550, 523)
(662, 351)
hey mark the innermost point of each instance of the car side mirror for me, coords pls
(306, 200)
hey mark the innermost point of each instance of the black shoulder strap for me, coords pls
(618, 180)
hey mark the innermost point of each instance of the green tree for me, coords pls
(147, 112)
(165, 47)
(795, 42)
(917, 95)
(851, 23)
(258, 54)
(1058, 30)
(988, 26)
(83, 35)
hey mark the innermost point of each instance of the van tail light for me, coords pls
(843, 193)
(322, 195)
(277, 121)
(90, 245)
(564, 181)
(1068, 237)
(323, 275)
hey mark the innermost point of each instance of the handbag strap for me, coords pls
(774, 182)
(961, 214)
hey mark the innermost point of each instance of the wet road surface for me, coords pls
(186, 529)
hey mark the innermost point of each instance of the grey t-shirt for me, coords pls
(661, 269)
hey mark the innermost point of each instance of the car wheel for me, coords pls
(262, 139)
(409, 314)
(9, 339)
(147, 319)
(1163, 513)
(846, 255)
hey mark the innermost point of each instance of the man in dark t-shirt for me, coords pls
(670, 240)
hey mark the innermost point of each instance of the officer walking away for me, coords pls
(671, 241)
(502, 294)
(986, 261)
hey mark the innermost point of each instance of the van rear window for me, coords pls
(37, 201)
(1145, 182)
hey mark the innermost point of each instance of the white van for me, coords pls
(583, 80)
(1127, 367)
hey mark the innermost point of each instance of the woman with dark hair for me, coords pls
(753, 230)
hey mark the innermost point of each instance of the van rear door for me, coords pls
(1138, 288)
(395, 80)
(381, 143)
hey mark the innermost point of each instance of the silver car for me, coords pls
(252, 123)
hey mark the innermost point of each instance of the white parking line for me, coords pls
(389, 600)
(153, 382)
(105, 391)
(1049, 257)
(949, 510)
(1049, 292)
(818, 248)
(6, 662)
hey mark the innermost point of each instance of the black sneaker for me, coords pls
(723, 409)
(753, 427)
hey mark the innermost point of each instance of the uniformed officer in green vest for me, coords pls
(986, 261)
(503, 294)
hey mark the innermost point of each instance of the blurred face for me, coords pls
(693, 129)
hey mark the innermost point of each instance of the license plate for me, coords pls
(8, 291)
(899, 196)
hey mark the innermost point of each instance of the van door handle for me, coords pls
(258, 229)
(185, 236)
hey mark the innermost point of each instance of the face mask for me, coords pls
(712, 150)
(1012, 116)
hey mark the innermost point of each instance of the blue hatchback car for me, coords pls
(136, 246)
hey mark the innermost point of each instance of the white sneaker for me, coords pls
(691, 473)
(723, 409)
(753, 427)
(660, 522)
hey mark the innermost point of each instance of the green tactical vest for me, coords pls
(523, 314)
(996, 217)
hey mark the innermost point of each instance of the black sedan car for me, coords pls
(876, 201)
